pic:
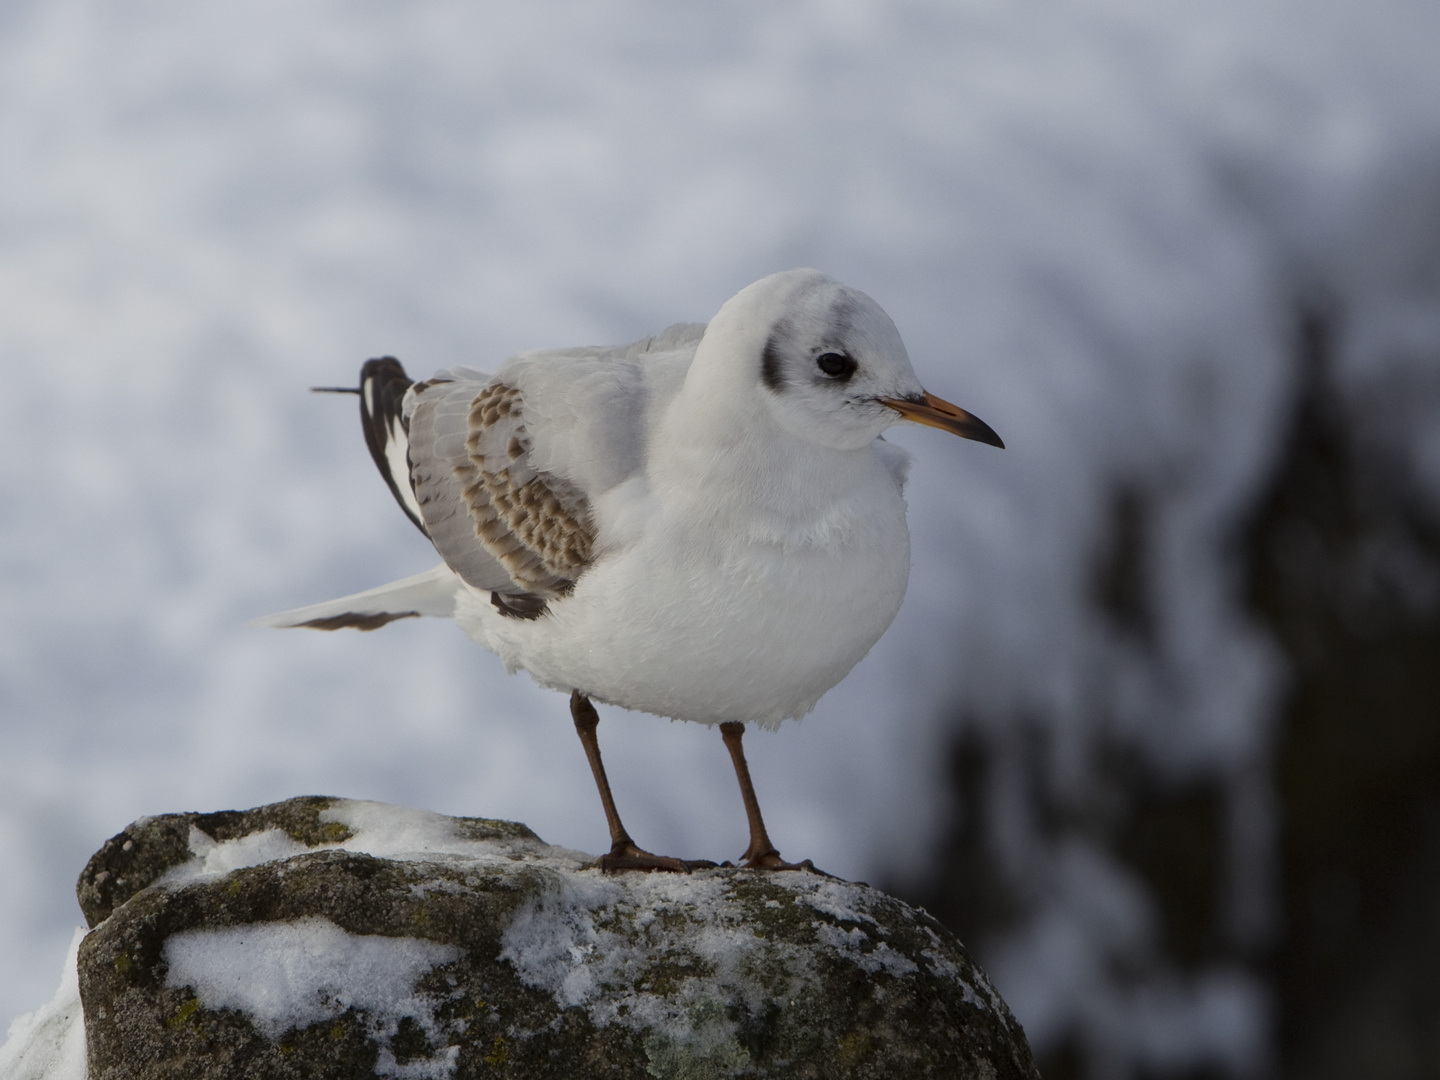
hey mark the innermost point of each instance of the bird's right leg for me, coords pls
(761, 854)
(624, 854)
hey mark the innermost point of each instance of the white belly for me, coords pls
(696, 625)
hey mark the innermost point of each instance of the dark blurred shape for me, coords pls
(1175, 838)
(1122, 587)
(1339, 560)
(1168, 833)
(1342, 553)
(1171, 836)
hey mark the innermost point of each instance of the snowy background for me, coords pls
(1089, 220)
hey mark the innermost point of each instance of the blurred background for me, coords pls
(1158, 729)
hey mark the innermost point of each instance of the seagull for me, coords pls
(706, 524)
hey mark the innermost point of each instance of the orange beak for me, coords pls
(937, 412)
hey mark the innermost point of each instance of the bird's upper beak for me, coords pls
(937, 412)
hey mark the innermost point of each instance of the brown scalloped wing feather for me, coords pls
(538, 529)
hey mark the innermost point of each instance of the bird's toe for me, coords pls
(771, 860)
(626, 857)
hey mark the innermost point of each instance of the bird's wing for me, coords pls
(499, 522)
(383, 384)
(505, 467)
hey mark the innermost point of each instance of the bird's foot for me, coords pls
(626, 856)
(771, 860)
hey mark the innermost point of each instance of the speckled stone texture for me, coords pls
(558, 971)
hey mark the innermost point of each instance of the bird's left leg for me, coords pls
(761, 854)
(624, 854)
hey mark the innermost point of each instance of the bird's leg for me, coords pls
(761, 853)
(624, 855)
(586, 721)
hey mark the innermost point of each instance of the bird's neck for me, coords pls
(738, 470)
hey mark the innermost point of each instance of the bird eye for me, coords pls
(836, 365)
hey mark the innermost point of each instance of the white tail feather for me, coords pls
(430, 593)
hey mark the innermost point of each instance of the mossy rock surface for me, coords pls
(325, 938)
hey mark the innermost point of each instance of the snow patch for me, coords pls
(395, 832)
(851, 945)
(49, 1043)
(586, 935)
(212, 858)
(378, 829)
(839, 900)
(289, 975)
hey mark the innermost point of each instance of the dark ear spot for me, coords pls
(772, 368)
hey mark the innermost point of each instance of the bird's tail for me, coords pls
(430, 593)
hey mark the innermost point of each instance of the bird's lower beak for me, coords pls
(937, 412)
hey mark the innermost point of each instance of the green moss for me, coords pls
(771, 909)
(668, 973)
(324, 832)
(492, 829)
(186, 1010)
(499, 1052)
(855, 1048)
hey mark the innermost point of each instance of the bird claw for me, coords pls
(626, 856)
(771, 860)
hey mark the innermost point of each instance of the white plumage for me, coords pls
(705, 524)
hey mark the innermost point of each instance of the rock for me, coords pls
(328, 938)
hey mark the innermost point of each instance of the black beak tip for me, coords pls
(989, 437)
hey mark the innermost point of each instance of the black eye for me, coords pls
(836, 365)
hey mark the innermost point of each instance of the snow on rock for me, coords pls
(323, 937)
(290, 975)
(49, 1044)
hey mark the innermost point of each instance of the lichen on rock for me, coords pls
(329, 938)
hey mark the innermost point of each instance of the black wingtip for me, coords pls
(383, 384)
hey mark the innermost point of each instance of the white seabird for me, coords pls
(705, 524)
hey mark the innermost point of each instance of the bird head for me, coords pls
(825, 362)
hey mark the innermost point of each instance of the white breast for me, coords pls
(714, 616)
